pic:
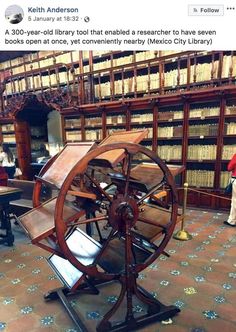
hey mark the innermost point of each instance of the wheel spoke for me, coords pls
(128, 170)
(158, 186)
(87, 221)
(122, 210)
(96, 183)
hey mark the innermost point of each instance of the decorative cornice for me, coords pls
(14, 105)
(61, 100)
(57, 99)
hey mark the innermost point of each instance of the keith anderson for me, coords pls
(52, 10)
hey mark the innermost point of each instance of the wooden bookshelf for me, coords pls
(185, 129)
(186, 100)
(7, 135)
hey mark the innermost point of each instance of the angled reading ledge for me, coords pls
(57, 169)
(106, 185)
(112, 158)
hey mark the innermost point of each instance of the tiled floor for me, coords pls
(199, 278)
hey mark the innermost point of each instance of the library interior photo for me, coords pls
(117, 193)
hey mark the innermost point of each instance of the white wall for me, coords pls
(54, 132)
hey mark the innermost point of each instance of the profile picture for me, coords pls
(14, 14)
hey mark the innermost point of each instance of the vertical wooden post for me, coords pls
(149, 78)
(184, 158)
(112, 79)
(231, 67)
(122, 82)
(212, 68)
(220, 142)
(188, 72)
(178, 74)
(2, 106)
(104, 123)
(40, 73)
(154, 128)
(81, 92)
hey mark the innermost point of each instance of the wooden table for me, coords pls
(7, 194)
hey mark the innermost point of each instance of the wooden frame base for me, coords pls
(155, 313)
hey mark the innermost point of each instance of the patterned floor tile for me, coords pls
(199, 278)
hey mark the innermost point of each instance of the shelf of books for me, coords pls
(203, 133)
(93, 127)
(170, 132)
(8, 136)
(186, 100)
(72, 129)
(122, 74)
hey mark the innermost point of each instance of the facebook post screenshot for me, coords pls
(117, 166)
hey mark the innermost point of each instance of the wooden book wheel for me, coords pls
(124, 252)
(116, 194)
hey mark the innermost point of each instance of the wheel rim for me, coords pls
(123, 211)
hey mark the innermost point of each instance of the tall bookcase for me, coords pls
(7, 134)
(186, 99)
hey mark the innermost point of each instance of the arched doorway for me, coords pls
(37, 127)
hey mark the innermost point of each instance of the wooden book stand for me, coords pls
(120, 252)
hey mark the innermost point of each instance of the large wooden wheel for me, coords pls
(122, 210)
(106, 186)
(124, 248)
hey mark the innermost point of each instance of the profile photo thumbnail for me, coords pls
(14, 14)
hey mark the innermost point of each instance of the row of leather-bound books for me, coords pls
(228, 151)
(142, 82)
(201, 152)
(200, 178)
(194, 130)
(42, 59)
(170, 152)
(167, 115)
(205, 178)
